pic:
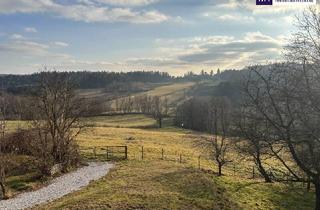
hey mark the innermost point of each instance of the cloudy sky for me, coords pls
(121, 35)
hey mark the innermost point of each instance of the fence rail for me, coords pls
(107, 152)
(202, 162)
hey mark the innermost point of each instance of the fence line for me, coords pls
(198, 161)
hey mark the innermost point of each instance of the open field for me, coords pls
(126, 121)
(153, 183)
(171, 89)
(104, 93)
(13, 125)
(175, 92)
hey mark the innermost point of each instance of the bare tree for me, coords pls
(57, 119)
(253, 139)
(117, 104)
(305, 49)
(146, 102)
(219, 127)
(159, 109)
(287, 96)
(3, 159)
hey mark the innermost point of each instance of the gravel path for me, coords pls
(58, 187)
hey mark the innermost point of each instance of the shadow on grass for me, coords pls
(23, 182)
(241, 186)
(200, 188)
(260, 195)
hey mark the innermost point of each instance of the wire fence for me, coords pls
(201, 162)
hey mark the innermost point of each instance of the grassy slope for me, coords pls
(153, 183)
(149, 185)
(174, 92)
(134, 121)
(102, 93)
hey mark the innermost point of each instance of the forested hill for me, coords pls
(86, 80)
(19, 84)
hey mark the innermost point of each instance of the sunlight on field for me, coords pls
(91, 93)
(175, 142)
(128, 121)
(12, 126)
(173, 92)
(149, 185)
(170, 89)
(172, 181)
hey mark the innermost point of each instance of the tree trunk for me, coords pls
(220, 169)
(160, 122)
(263, 171)
(308, 184)
(3, 190)
(317, 186)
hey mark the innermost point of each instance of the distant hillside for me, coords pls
(84, 80)
(224, 83)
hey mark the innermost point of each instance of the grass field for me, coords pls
(173, 92)
(133, 121)
(153, 183)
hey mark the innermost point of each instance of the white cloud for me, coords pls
(83, 11)
(18, 49)
(24, 47)
(24, 6)
(86, 2)
(227, 16)
(152, 61)
(103, 14)
(17, 36)
(250, 5)
(128, 2)
(237, 18)
(60, 44)
(214, 51)
(253, 47)
(30, 30)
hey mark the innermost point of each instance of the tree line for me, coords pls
(23, 84)
(111, 81)
(154, 106)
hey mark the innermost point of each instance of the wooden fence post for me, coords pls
(253, 173)
(107, 153)
(309, 184)
(162, 154)
(142, 153)
(180, 158)
(126, 151)
(199, 166)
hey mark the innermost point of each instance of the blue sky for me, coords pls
(122, 35)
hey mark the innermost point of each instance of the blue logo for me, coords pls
(263, 2)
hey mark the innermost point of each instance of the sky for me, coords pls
(175, 36)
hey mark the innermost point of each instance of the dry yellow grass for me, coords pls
(173, 92)
(153, 183)
(132, 121)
